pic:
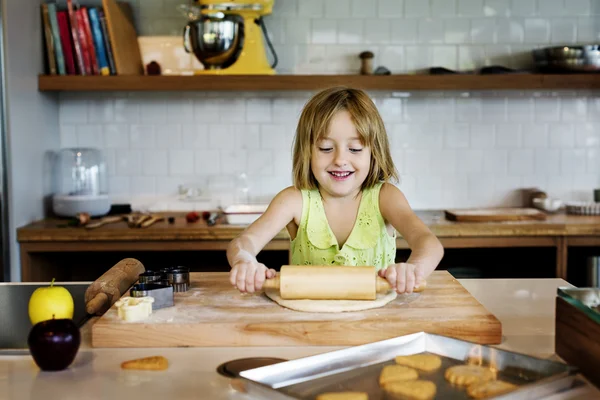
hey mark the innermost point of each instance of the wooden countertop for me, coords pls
(56, 230)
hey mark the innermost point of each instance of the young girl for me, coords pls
(341, 209)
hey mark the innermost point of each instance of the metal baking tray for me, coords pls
(585, 299)
(357, 369)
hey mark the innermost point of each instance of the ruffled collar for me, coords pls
(364, 234)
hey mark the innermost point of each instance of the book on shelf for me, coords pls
(77, 40)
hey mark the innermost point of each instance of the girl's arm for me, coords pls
(426, 249)
(247, 274)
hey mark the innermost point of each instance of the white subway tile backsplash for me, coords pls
(363, 9)
(496, 8)
(390, 8)
(181, 162)
(90, 136)
(562, 135)
(116, 136)
(416, 9)
(310, 9)
(337, 9)
(563, 31)
(537, 30)
(452, 149)
(573, 161)
(155, 162)
(523, 8)
(142, 137)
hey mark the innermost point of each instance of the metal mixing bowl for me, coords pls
(216, 39)
(568, 58)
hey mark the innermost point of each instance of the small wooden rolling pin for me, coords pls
(109, 288)
(316, 282)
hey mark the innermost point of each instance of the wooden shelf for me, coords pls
(48, 83)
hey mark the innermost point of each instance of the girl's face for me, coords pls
(340, 162)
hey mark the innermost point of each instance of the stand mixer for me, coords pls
(226, 36)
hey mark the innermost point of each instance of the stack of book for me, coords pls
(77, 40)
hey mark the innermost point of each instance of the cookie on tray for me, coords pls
(423, 362)
(391, 373)
(343, 396)
(465, 375)
(414, 390)
(484, 390)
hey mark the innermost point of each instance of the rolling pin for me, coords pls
(316, 282)
(109, 288)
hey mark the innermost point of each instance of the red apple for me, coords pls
(54, 343)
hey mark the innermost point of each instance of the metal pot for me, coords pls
(216, 39)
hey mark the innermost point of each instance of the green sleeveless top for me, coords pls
(369, 243)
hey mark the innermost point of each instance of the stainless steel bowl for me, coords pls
(568, 58)
(216, 39)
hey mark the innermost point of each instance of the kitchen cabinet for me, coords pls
(50, 249)
(408, 82)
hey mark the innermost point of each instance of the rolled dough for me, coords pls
(332, 306)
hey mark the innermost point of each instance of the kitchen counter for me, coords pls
(525, 307)
(51, 236)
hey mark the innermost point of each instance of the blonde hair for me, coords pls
(314, 123)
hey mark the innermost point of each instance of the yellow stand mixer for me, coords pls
(226, 36)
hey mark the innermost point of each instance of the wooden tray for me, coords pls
(213, 313)
(494, 214)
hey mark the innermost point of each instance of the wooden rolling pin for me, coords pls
(316, 282)
(109, 288)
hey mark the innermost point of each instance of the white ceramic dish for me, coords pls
(547, 204)
(243, 214)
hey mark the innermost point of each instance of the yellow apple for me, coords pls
(50, 302)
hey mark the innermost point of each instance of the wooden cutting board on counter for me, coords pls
(494, 214)
(213, 313)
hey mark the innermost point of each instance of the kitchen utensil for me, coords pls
(149, 277)
(162, 294)
(179, 278)
(568, 58)
(358, 369)
(213, 313)
(329, 283)
(226, 36)
(109, 288)
(81, 183)
(494, 214)
(104, 221)
(583, 208)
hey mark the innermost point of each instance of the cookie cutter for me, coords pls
(149, 277)
(162, 294)
(179, 278)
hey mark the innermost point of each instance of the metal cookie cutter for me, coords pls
(179, 278)
(162, 294)
(149, 277)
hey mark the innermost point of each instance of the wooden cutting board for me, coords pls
(213, 313)
(494, 214)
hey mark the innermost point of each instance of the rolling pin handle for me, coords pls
(97, 303)
(272, 283)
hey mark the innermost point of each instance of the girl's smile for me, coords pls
(340, 160)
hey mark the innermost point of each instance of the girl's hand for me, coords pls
(403, 277)
(249, 276)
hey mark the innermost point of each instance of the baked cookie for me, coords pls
(483, 390)
(343, 396)
(414, 390)
(391, 373)
(423, 362)
(155, 363)
(465, 375)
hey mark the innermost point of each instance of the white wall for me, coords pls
(32, 119)
(453, 149)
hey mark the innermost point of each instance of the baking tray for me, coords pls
(585, 299)
(357, 369)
